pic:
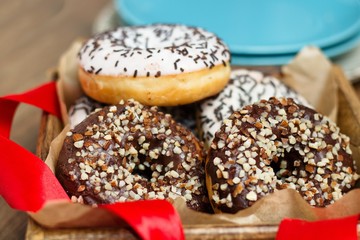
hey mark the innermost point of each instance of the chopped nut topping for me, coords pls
(278, 130)
(251, 196)
(130, 137)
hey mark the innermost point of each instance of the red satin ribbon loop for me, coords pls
(27, 183)
(43, 97)
(25, 174)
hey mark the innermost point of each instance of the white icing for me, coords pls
(85, 106)
(77, 117)
(152, 50)
(244, 88)
(81, 110)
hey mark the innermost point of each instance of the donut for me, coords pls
(245, 87)
(128, 152)
(157, 65)
(82, 107)
(277, 144)
(185, 115)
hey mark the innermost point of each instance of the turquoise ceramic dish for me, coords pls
(255, 27)
(280, 59)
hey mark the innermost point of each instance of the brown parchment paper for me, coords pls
(68, 86)
(310, 73)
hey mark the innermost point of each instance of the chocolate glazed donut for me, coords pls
(277, 144)
(129, 152)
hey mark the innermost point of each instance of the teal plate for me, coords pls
(281, 59)
(261, 27)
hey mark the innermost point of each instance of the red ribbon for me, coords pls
(340, 228)
(43, 97)
(154, 219)
(27, 182)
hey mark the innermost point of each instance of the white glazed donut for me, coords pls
(163, 65)
(245, 87)
(82, 107)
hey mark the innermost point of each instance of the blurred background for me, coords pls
(260, 32)
(34, 34)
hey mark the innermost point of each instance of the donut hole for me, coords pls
(145, 168)
(276, 167)
(285, 165)
(143, 171)
(151, 170)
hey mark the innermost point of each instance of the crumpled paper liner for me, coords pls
(68, 86)
(63, 214)
(310, 73)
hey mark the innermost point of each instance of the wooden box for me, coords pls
(348, 121)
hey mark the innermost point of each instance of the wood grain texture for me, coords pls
(33, 35)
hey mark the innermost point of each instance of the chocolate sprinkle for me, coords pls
(182, 45)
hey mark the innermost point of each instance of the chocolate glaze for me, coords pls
(278, 144)
(183, 114)
(129, 152)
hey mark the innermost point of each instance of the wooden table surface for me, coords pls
(33, 36)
